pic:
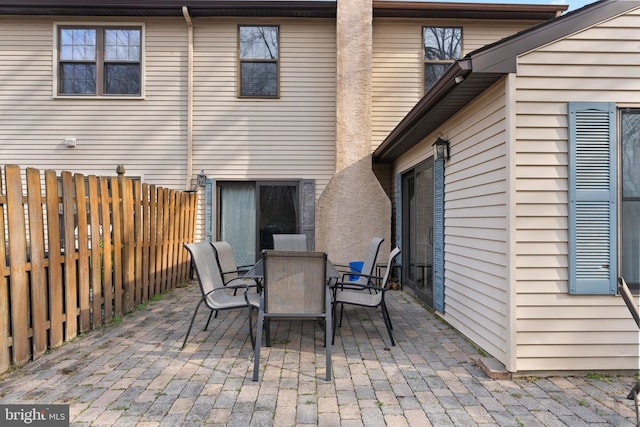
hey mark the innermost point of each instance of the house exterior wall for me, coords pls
(555, 330)
(507, 288)
(141, 134)
(397, 76)
(476, 268)
(289, 137)
(292, 137)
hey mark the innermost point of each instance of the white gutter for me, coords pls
(187, 18)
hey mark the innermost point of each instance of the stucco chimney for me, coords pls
(353, 207)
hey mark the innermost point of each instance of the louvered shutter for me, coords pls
(592, 197)
(209, 203)
(309, 211)
(398, 217)
(438, 234)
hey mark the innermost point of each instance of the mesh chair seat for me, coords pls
(214, 293)
(364, 295)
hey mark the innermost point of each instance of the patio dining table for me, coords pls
(257, 271)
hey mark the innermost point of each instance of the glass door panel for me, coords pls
(417, 187)
(238, 220)
(277, 211)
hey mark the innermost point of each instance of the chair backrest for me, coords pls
(203, 259)
(290, 242)
(369, 260)
(225, 260)
(294, 283)
(632, 305)
(394, 253)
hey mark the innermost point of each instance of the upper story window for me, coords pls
(99, 61)
(258, 61)
(441, 46)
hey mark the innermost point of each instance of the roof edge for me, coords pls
(500, 57)
(455, 74)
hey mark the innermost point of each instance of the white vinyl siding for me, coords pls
(287, 138)
(140, 134)
(558, 331)
(397, 81)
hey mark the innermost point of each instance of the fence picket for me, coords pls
(56, 317)
(116, 215)
(81, 242)
(107, 248)
(70, 272)
(5, 334)
(95, 250)
(146, 292)
(128, 263)
(137, 229)
(37, 256)
(19, 283)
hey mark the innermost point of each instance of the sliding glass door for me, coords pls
(250, 213)
(417, 230)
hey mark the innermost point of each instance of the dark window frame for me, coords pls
(100, 62)
(257, 60)
(443, 63)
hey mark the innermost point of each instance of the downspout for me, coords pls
(187, 18)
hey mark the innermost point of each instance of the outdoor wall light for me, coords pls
(202, 179)
(441, 149)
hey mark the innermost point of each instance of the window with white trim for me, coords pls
(441, 46)
(99, 60)
(258, 58)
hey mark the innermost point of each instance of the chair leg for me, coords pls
(633, 395)
(333, 315)
(191, 324)
(387, 322)
(209, 319)
(256, 350)
(388, 317)
(327, 332)
(253, 340)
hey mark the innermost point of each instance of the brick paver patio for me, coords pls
(135, 374)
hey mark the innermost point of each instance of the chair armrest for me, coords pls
(244, 268)
(356, 287)
(369, 276)
(239, 286)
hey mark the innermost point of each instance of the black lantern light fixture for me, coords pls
(202, 179)
(441, 149)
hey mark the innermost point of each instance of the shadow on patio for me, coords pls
(136, 374)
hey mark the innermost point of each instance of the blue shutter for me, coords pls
(309, 211)
(398, 217)
(592, 198)
(209, 203)
(438, 234)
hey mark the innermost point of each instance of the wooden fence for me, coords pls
(77, 252)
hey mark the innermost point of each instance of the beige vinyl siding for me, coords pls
(397, 63)
(476, 223)
(146, 135)
(475, 220)
(291, 137)
(558, 331)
